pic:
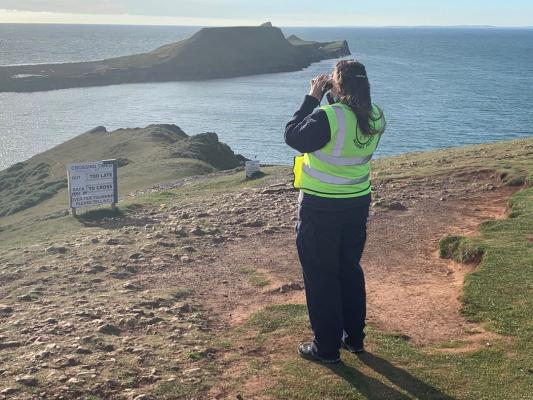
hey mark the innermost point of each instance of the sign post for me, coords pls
(92, 183)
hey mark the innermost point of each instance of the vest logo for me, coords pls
(362, 141)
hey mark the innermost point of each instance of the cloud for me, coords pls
(67, 6)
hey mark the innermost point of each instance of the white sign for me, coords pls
(252, 167)
(92, 183)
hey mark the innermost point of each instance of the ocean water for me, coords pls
(439, 87)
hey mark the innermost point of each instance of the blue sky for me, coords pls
(280, 12)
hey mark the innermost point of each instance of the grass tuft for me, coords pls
(461, 249)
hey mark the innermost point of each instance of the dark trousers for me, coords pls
(330, 245)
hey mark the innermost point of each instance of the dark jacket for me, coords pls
(309, 131)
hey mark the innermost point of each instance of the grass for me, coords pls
(461, 249)
(255, 277)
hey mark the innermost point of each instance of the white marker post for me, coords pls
(92, 183)
(252, 168)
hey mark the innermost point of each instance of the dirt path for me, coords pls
(410, 289)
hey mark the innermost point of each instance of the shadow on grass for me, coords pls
(111, 218)
(376, 390)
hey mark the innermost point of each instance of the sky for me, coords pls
(281, 12)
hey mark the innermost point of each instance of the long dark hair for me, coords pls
(355, 93)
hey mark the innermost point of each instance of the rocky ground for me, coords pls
(137, 304)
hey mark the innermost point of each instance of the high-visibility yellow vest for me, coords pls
(341, 169)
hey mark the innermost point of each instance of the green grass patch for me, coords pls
(461, 249)
(255, 277)
(178, 390)
(278, 318)
(499, 292)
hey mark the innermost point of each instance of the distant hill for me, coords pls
(208, 54)
(155, 154)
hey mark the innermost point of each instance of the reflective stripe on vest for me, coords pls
(341, 123)
(333, 179)
(341, 160)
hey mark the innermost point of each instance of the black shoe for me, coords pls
(353, 349)
(307, 351)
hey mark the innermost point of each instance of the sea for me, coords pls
(439, 87)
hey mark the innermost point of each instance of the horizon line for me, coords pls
(479, 26)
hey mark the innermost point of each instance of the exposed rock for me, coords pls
(9, 391)
(56, 249)
(27, 380)
(25, 297)
(8, 345)
(257, 223)
(5, 309)
(143, 397)
(112, 242)
(107, 347)
(131, 286)
(198, 231)
(289, 287)
(154, 320)
(109, 329)
(83, 350)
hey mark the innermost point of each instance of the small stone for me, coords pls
(5, 309)
(397, 206)
(96, 268)
(27, 380)
(183, 308)
(180, 232)
(289, 287)
(51, 321)
(198, 231)
(109, 329)
(185, 259)
(25, 297)
(166, 244)
(8, 391)
(143, 397)
(75, 381)
(136, 256)
(188, 249)
(112, 242)
(82, 350)
(107, 347)
(95, 241)
(9, 345)
(254, 224)
(130, 286)
(56, 250)
(154, 320)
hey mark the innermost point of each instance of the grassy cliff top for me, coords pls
(194, 290)
(146, 156)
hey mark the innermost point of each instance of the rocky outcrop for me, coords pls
(161, 151)
(210, 53)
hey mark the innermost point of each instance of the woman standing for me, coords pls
(333, 175)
